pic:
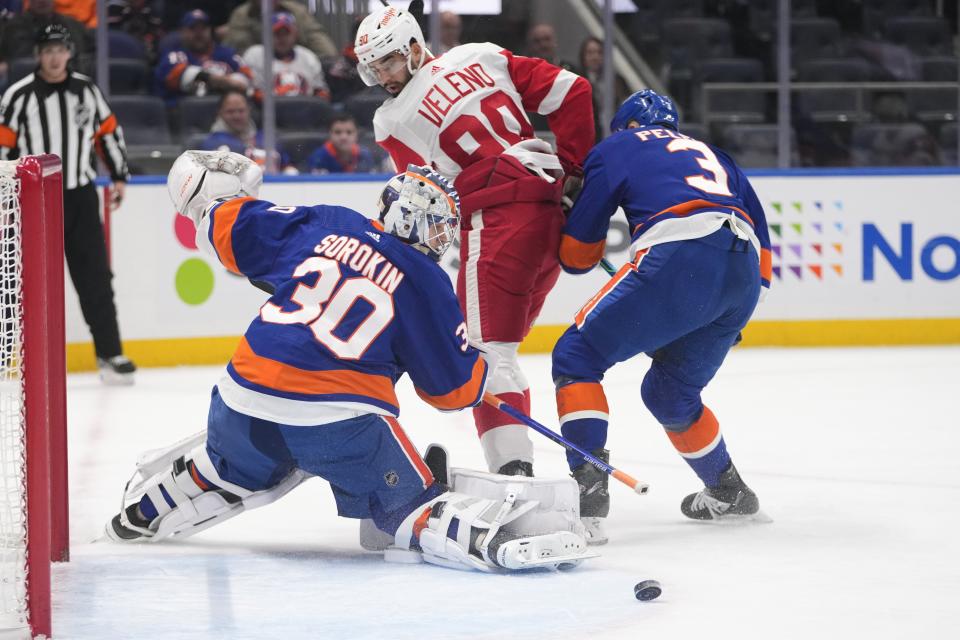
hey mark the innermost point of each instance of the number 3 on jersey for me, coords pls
(323, 320)
(718, 185)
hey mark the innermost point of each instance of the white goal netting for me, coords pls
(13, 524)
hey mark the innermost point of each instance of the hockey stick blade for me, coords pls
(639, 487)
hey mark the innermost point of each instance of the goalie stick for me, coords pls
(640, 487)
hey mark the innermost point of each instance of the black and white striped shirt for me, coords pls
(69, 119)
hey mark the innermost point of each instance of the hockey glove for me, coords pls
(198, 178)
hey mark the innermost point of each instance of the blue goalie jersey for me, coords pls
(352, 309)
(670, 186)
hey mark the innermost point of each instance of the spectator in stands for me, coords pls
(296, 69)
(219, 11)
(542, 43)
(83, 11)
(244, 27)
(341, 153)
(591, 68)
(890, 107)
(10, 8)
(342, 76)
(235, 130)
(451, 27)
(17, 36)
(890, 61)
(136, 17)
(201, 66)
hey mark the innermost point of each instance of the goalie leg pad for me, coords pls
(188, 496)
(464, 532)
(556, 500)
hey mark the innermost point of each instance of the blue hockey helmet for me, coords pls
(646, 107)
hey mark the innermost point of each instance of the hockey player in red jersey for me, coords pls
(354, 305)
(463, 113)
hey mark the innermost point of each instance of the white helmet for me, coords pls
(381, 33)
(421, 208)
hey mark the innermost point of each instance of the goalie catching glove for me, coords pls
(198, 178)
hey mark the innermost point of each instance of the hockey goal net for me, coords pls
(33, 481)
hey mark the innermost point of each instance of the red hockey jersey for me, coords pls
(469, 103)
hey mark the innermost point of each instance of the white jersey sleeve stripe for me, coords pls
(561, 85)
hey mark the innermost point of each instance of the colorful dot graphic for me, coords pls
(185, 232)
(194, 281)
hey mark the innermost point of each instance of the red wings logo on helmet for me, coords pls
(388, 15)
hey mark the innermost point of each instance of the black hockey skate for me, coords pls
(731, 499)
(118, 532)
(517, 468)
(116, 371)
(594, 497)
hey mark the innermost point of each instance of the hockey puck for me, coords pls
(647, 590)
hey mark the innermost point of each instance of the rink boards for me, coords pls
(859, 257)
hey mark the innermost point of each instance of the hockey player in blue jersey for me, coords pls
(700, 257)
(354, 305)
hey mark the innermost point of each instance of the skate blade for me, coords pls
(734, 519)
(556, 551)
(556, 562)
(114, 379)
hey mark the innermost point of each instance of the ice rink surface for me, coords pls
(853, 453)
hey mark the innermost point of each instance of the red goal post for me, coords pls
(34, 527)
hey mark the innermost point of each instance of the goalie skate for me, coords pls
(560, 550)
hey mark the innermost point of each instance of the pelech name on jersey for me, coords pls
(363, 259)
(450, 88)
(659, 134)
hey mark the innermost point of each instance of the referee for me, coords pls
(56, 110)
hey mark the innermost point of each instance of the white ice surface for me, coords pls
(853, 452)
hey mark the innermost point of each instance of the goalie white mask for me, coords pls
(421, 208)
(383, 32)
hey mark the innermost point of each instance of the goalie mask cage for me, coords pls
(33, 453)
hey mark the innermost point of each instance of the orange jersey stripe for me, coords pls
(464, 395)
(8, 137)
(108, 126)
(223, 221)
(284, 377)
(610, 284)
(700, 434)
(766, 265)
(684, 208)
(580, 255)
(581, 396)
(410, 450)
(173, 78)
